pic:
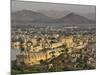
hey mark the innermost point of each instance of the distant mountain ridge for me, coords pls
(73, 18)
(28, 16)
(62, 12)
(31, 16)
(54, 13)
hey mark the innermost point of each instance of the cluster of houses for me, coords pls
(34, 49)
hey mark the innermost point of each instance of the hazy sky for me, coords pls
(20, 5)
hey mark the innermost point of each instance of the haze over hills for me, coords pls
(73, 18)
(91, 16)
(61, 13)
(28, 16)
(54, 10)
(54, 13)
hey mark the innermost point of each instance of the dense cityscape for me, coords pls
(42, 49)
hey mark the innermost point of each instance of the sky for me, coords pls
(88, 11)
(35, 6)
